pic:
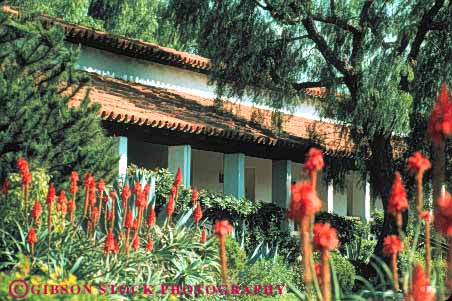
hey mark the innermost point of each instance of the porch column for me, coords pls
(122, 152)
(281, 182)
(180, 156)
(360, 197)
(234, 174)
(326, 192)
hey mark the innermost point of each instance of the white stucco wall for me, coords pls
(263, 177)
(206, 169)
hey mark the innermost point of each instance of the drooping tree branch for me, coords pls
(317, 84)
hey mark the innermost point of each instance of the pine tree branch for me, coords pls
(337, 22)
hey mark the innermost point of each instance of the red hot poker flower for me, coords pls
(137, 187)
(151, 218)
(421, 290)
(194, 196)
(109, 243)
(141, 200)
(36, 212)
(129, 220)
(62, 202)
(22, 165)
(392, 245)
(101, 185)
(170, 206)
(178, 178)
(136, 242)
(426, 215)
(31, 237)
(444, 204)
(398, 201)
(51, 194)
(222, 227)
(418, 164)
(304, 201)
(325, 237)
(149, 245)
(440, 123)
(125, 194)
(203, 235)
(74, 179)
(314, 160)
(5, 187)
(89, 180)
(147, 189)
(198, 214)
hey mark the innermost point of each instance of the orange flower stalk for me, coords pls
(203, 235)
(427, 217)
(398, 201)
(109, 243)
(5, 187)
(439, 127)
(198, 214)
(194, 197)
(36, 212)
(325, 239)
(62, 203)
(136, 243)
(443, 223)
(170, 205)
(178, 177)
(100, 189)
(222, 228)
(89, 185)
(32, 239)
(152, 218)
(73, 189)
(149, 245)
(314, 163)
(391, 247)
(22, 165)
(418, 164)
(112, 210)
(125, 194)
(421, 290)
(304, 205)
(50, 199)
(128, 224)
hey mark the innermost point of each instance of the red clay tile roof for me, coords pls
(132, 47)
(131, 103)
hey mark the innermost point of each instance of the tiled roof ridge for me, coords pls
(89, 36)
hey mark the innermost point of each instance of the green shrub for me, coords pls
(345, 271)
(348, 228)
(376, 226)
(267, 271)
(236, 257)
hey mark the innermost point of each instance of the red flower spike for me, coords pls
(421, 290)
(444, 204)
(417, 163)
(36, 211)
(136, 243)
(116, 247)
(137, 187)
(62, 202)
(173, 191)
(92, 197)
(151, 218)
(325, 237)
(89, 180)
(314, 160)
(110, 215)
(95, 214)
(198, 214)
(398, 201)
(101, 185)
(109, 243)
(222, 227)
(170, 206)
(141, 200)
(74, 179)
(5, 187)
(147, 189)
(392, 245)
(318, 273)
(22, 165)
(149, 245)
(105, 199)
(31, 237)
(194, 196)
(178, 178)
(440, 122)
(51, 194)
(203, 235)
(125, 194)
(129, 220)
(427, 216)
(135, 224)
(304, 201)
(443, 216)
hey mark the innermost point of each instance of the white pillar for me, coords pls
(360, 191)
(326, 192)
(122, 151)
(179, 156)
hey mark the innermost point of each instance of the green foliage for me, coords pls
(348, 228)
(376, 225)
(36, 85)
(265, 272)
(345, 271)
(236, 258)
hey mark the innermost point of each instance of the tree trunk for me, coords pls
(381, 169)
